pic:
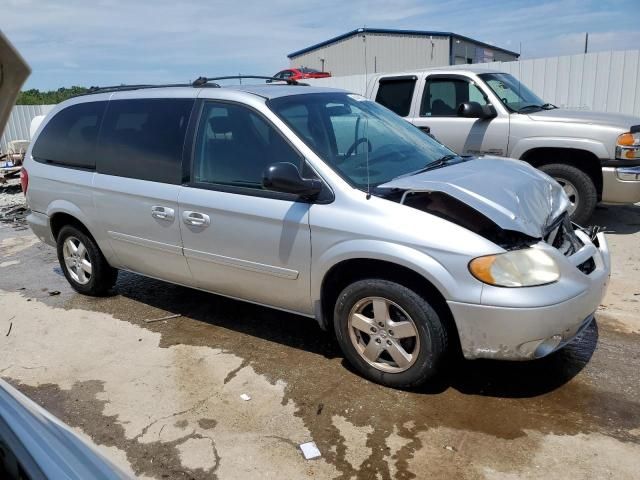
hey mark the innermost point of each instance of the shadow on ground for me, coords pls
(617, 219)
(480, 377)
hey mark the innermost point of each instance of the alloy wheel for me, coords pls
(77, 261)
(571, 191)
(383, 334)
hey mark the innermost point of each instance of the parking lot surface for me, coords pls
(161, 397)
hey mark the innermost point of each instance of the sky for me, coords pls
(106, 42)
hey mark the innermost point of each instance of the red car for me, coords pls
(300, 73)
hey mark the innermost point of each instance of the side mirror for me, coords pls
(285, 177)
(475, 110)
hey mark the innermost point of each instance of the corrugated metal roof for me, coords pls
(398, 32)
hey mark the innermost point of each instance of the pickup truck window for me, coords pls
(513, 94)
(396, 94)
(442, 96)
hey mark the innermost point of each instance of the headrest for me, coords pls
(221, 124)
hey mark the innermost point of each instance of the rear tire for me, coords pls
(83, 264)
(389, 333)
(578, 186)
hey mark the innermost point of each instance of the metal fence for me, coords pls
(19, 122)
(604, 81)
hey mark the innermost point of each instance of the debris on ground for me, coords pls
(10, 326)
(54, 293)
(450, 448)
(13, 207)
(168, 317)
(310, 450)
(245, 397)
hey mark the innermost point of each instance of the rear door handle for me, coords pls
(196, 219)
(163, 213)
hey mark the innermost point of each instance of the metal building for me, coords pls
(373, 50)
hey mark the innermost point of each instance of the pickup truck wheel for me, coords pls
(389, 333)
(83, 264)
(579, 188)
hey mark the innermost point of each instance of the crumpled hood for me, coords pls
(616, 120)
(511, 193)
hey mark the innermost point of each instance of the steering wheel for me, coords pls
(355, 144)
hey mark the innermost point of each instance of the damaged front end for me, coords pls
(543, 290)
(505, 201)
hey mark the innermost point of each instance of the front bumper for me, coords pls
(621, 184)
(519, 332)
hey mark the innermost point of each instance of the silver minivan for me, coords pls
(319, 202)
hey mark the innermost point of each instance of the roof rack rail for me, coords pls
(203, 81)
(124, 88)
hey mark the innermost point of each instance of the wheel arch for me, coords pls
(64, 213)
(583, 160)
(350, 270)
(61, 219)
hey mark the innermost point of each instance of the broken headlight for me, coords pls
(528, 267)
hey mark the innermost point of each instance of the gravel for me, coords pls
(13, 206)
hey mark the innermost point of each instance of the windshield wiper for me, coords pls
(441, 162)
(527, 107)
(545, 106)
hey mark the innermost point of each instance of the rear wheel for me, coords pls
(83, 264)
(389, 333)
(579, 188)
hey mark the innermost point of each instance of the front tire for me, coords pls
(389, 333)
(83, 264)
(579, 188)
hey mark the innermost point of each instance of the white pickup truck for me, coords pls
(474, 111)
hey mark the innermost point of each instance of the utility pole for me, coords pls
(586, 42)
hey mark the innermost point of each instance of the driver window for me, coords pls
(442, 97)
(235, 144)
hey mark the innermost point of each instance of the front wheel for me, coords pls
(389, 333)
(578, 186)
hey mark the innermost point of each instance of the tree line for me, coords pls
(36, 97)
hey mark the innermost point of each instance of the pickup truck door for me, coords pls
(440, 96)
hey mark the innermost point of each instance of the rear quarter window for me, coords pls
(69, 138)
(396, 94)
(144, 139)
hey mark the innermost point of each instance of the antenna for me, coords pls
(519, 72)
(364, 40)
(366, 154)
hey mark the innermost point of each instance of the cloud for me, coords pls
(116, 41)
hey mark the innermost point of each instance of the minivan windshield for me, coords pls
(513, 94)
(363, 141)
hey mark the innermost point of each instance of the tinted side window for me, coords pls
(144, 138)
(234, 146)
(69, 138)
(396, 94)
(442, 97)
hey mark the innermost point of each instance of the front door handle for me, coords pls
(196, 219)
(163, 213)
